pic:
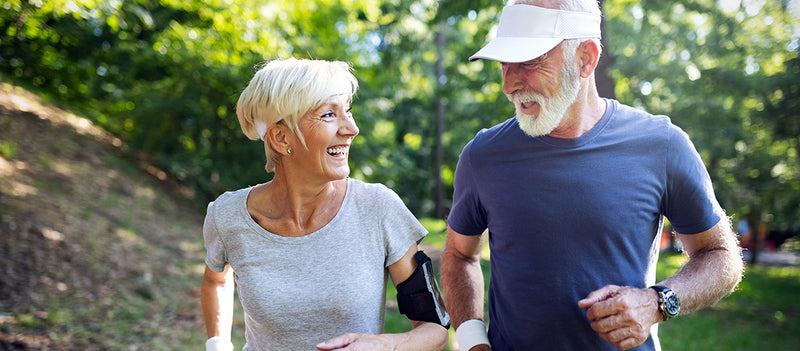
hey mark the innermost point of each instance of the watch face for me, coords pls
(672, 305)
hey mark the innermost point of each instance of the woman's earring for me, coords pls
(289, 151)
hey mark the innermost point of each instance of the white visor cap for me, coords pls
(527, 32)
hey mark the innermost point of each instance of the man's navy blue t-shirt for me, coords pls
(569, 216)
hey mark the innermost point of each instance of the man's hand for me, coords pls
(622, 315)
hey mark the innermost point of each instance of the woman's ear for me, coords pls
(588, 56)
(279, 138)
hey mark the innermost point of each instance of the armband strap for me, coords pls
(418, 296)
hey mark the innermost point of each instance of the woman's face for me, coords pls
(328, 130)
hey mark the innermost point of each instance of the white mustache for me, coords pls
(527, 96)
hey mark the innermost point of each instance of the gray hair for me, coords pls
(285, 90)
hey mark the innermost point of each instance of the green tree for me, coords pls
(164, 76)
(726, 72)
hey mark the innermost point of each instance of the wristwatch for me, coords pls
(668, 302)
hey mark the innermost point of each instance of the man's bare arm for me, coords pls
(462, 279)
(714, 269)
(623, 315)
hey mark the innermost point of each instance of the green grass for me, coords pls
(762, 314)
(8, 149)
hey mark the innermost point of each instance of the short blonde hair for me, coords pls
(285, 90)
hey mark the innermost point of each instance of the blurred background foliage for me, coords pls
(164, 76)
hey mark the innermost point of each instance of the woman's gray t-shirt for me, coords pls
(299, 291)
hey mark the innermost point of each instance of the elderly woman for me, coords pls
(312, 249)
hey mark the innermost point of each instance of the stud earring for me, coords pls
(289, 151)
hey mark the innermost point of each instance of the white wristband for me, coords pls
(218, 343)
(471, 333)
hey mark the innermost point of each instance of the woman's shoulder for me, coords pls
(361, 188)
(230, 198)
(373, 194)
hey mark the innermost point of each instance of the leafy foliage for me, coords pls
(726, 72)
(164, 76)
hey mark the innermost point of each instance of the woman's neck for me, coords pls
(295, 208)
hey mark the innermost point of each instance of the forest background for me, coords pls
(161, 79)
(164, 76)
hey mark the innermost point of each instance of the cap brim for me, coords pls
(515, 49)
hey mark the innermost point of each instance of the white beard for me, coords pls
(552, 109)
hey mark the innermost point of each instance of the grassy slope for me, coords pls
(97, 252)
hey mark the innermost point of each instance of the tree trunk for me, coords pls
(755, 227)
(759, 236)
(605, 85)
(439, 156)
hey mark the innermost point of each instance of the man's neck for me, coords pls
(581, 116)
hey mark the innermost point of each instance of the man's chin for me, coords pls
(533, 126)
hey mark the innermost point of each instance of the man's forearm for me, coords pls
(711, 273)
(462, 281)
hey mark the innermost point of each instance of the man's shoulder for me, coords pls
(498, 131)
(502, 127)
(627, 112)
(635, 121)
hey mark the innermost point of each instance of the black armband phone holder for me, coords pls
(418, 296)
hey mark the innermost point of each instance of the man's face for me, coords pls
(542, 90)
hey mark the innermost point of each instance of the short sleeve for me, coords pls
(690, 203)
(215, 249)
(400, 228)
(467, 215)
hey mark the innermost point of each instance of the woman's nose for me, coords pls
(349, 127)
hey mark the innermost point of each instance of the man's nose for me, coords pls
(511, 78)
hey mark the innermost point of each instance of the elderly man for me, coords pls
(573, 191)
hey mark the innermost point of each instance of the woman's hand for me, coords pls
(423, 335)
(357, 342)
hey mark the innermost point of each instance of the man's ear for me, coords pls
(279, 138)
(588, 57)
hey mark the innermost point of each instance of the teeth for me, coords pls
(337, 150)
